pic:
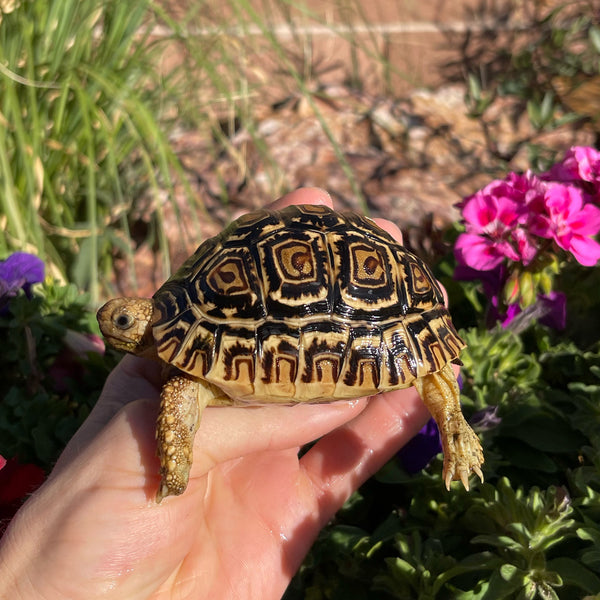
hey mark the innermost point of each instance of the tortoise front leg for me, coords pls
(461, 446)
(182, 401)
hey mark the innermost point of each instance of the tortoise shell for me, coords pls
(304, 304)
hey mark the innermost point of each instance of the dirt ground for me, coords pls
(412, 160)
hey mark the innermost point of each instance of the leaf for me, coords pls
(499, 541)
(573, 573)
(505, 581)
(591, 558)
(344, 538)
(547, 433)
(594, 37)
(518, 453)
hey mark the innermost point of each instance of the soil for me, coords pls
(411, 160)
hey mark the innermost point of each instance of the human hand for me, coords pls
(249, 515)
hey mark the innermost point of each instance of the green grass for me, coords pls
(81, 129)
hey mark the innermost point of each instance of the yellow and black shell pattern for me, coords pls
(304, 304)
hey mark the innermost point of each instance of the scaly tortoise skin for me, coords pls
(304, 304)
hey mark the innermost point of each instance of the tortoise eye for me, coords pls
(123, 321)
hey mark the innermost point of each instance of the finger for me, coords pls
(391, 228)
(272, 428)
(303, 196)
(341, 461)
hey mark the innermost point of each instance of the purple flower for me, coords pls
(485, 419)
(419, 451)
(493, 280)
(554, 306)
(549, 309)
(19, 271)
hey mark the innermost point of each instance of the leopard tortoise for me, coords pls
(304, 304)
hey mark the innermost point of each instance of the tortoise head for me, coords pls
(126, 323)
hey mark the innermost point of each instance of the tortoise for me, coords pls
(303, 304)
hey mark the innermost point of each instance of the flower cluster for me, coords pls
(516, 228)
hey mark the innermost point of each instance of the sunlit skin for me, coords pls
(251, 510)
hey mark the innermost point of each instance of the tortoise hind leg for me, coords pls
(182, 401)
(461, 446)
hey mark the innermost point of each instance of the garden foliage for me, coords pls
(523, 289)
(92, 136)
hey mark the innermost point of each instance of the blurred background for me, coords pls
(131, 132)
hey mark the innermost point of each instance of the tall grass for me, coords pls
(80, 129)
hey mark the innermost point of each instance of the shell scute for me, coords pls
(304, 304)
(296, 274)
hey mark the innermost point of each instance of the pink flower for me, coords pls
(482, 253)
(580, 163)
(83, 343)
(493, 218)
(569, 222)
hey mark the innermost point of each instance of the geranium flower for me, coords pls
(19, 271)
(522, 219)
(489, 221)
(581, 163)
(493, 219)
(570, 223)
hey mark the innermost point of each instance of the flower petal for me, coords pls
(22, 267)
(477, 252)
(585, 250)
(419, 451)
(586, 221)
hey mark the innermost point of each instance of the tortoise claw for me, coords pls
(462, 455)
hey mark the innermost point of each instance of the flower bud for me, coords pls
(527, 289)
(511, 291)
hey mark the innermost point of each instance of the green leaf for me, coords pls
(594, 36)
(505, 581)
(519, 453)
(546, 433)
(573, 573)
(499, 541)
(591, 558)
